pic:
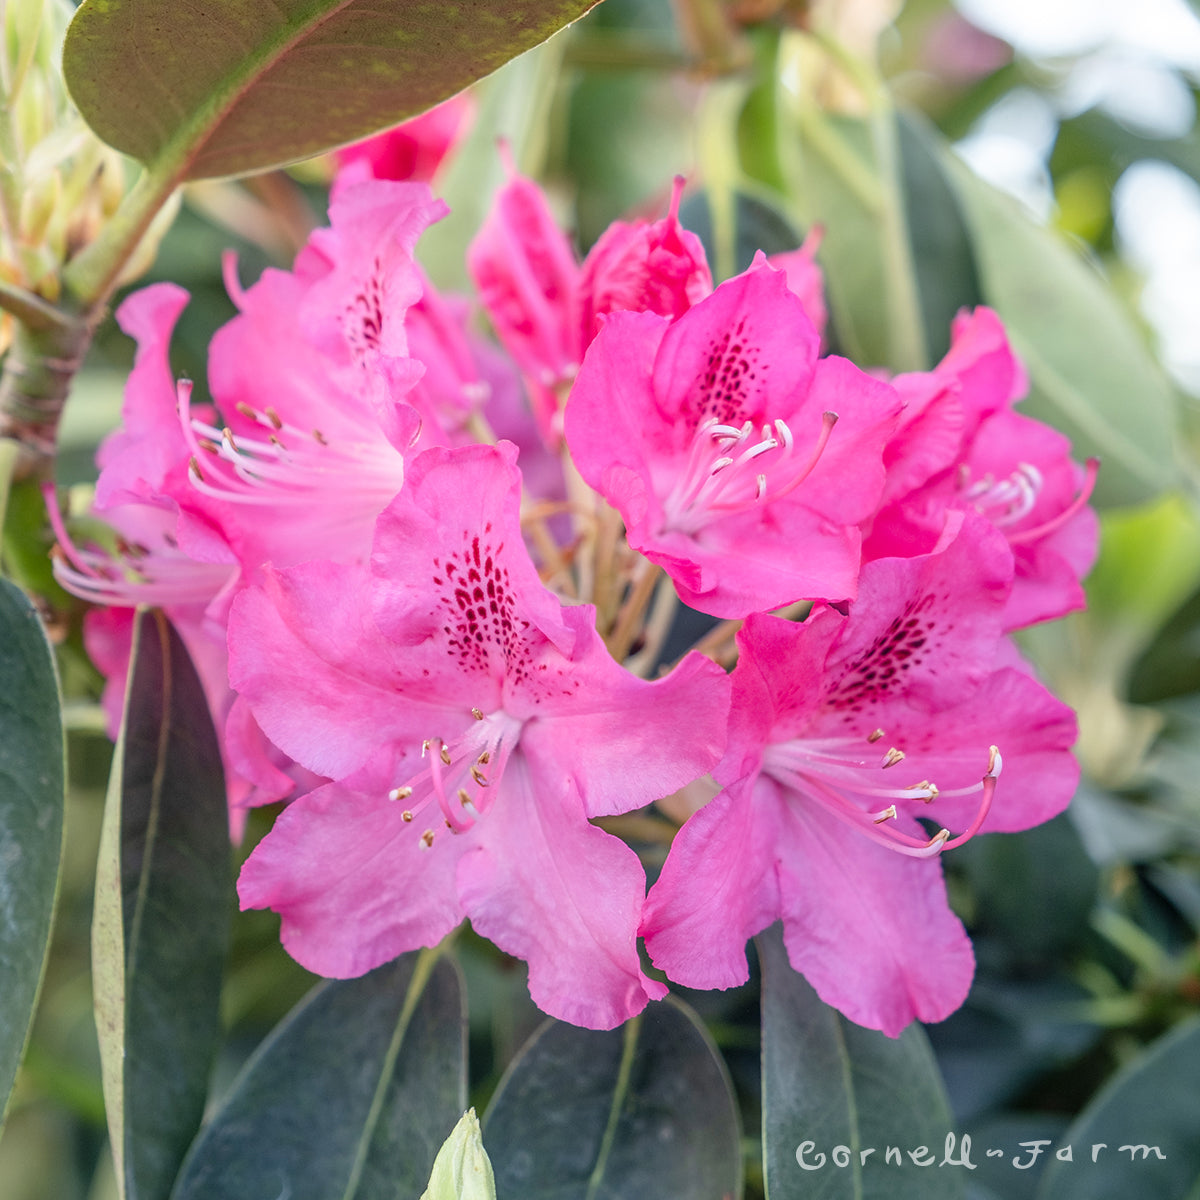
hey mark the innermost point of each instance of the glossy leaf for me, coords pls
(244, 85)
(830, 1084)
(161, 924)
(350, 1098)
(1153, 1103)
(1092, 374)
(643, 1110)
(31, 818)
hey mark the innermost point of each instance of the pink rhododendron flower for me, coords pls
(170, 549)
(312, 379)
(843, 731)
(643, 266)
(473, 725)
(414, 149)
(740, 462)
(960, 445)
(527, 279)
(546, 307)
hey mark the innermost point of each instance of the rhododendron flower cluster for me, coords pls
(430, 612)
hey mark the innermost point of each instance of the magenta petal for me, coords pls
(741, 354)
(353, 883)
(868, 928)
(548, 887)
(718, 888)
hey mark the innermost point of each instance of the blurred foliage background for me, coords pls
(1087, 930)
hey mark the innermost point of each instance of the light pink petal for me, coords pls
(870, 929)
(317, 674)
(449, 555)
(358, 309)
(548, 887)
(718, 888)
(628, 741)
(148, 453)
(1034, 732)
(928, 626)
(351, 879)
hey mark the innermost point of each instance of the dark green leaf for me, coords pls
(757, 225)
(349, 1099)
(161, 926)
(644, 1110)
(828, 1084)
(947, 279)
(846, 176)
(31, 818)
(1092, 375)
(1154, 1102)
(208, 90)
(1032, 890)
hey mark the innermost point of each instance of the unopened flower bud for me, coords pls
(462, 1170)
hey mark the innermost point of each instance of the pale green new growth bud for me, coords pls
(461, 1170)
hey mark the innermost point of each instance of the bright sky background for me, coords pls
(1133, 58)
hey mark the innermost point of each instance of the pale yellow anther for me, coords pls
(892, 757)
(888, 814)
(445, 754)
(406, 815)
(874, 736)
(477, 714)
(479, 777)
(427, 838)
(400, 793)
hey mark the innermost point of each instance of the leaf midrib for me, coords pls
(182, 149)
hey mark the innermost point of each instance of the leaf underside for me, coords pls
(244, 85)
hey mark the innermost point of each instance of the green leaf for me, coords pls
(244, 85)
(1033, 890)
(1153, 1102)
(32, 781)
(161, 924)
(757, 225)
(643, 1110)
(1092, 374)
(947, 278)
(828, 1084)
(845, 174)
(350, 1098)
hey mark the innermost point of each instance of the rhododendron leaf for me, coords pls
(643, 1110)
(243, 86)
(841, 183)
(830, 1083)
(944, 263)
(350, 1098)
(161, 925)
(757, 225)
(1152, 1103)
(1092, 375)
(31, 818)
